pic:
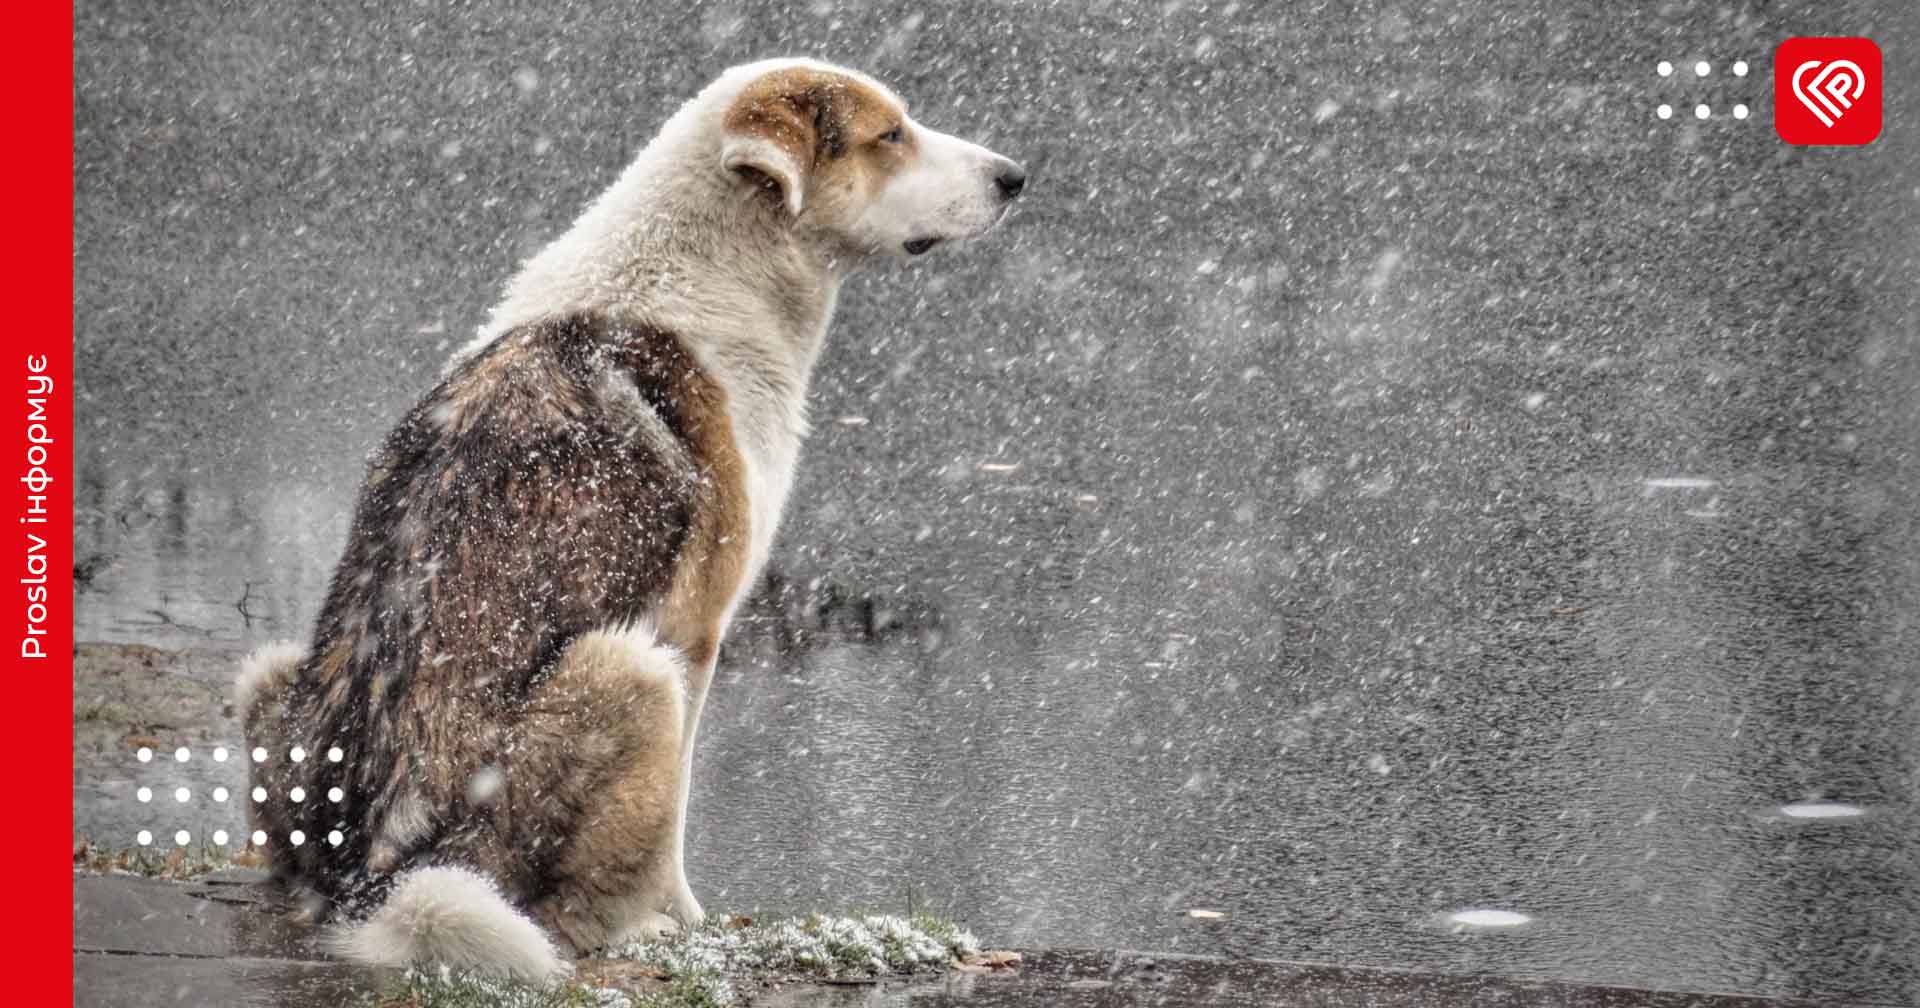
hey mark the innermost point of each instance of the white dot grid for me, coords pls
(259, 838)
(1701, 68)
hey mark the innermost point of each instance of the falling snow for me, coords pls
(1381, 471)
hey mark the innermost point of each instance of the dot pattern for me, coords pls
(1701, 69)
(220, 837)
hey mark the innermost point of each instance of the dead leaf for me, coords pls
(993, 959)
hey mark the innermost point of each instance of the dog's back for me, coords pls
(540, 494)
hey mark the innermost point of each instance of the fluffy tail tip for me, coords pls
(452, 917)
(263, 672)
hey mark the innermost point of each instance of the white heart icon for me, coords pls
(1832, 91)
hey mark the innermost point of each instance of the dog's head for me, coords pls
(835, 154)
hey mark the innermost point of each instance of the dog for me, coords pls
(482, 760)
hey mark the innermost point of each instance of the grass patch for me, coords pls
(175, 863)
(705, 966)
(708, 968)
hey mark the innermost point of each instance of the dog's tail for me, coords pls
(455, 917)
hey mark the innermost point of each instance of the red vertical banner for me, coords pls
(36, 372)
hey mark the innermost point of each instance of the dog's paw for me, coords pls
(650, 926)
(686, 909)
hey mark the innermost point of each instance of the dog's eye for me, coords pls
(891, 136)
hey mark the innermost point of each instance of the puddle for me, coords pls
(1821, 810)
(1488, 920)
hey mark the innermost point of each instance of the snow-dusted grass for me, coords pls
(702, 969)
(172, 862)
(817, 945)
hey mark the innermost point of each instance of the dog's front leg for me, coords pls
(686, 908)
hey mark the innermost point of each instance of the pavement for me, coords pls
(213, 942)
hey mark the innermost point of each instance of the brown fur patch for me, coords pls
(829, 124)
(587, 810)
(577, 474)
(713, 560)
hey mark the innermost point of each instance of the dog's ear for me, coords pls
(767, 164)
(777, 132)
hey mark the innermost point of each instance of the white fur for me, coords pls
(267, 668)
(948, 193)
(452, 917)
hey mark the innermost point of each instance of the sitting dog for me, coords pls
(495, 721)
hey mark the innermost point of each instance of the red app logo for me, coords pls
(1827, 91)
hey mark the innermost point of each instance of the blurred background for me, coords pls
(1384, 485)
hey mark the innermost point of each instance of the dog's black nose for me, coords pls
(1011, 180)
